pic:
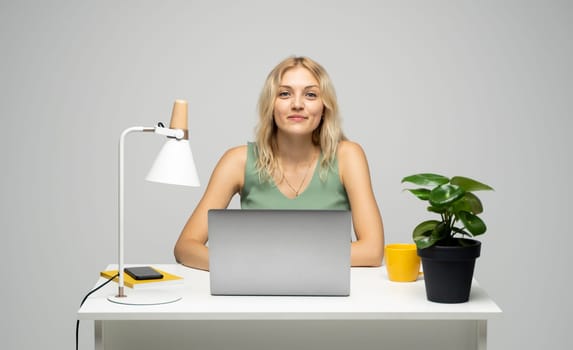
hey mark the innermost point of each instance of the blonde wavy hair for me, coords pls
(328, 133)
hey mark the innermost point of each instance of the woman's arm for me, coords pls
(227, 180)
(368, 249)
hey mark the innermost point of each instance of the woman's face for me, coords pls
(298, 106)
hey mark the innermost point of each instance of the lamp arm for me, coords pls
(120, 292)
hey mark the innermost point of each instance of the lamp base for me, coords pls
(145, 297)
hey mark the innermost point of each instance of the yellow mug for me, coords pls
(402, 262)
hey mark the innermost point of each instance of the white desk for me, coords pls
(378, 314)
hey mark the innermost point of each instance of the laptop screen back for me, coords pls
(279, 252)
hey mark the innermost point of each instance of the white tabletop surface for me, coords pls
(372, 297)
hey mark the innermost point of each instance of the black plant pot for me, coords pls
(449, 269)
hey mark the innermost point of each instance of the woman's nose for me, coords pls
(297, 102)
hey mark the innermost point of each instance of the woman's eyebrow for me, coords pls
(306, 87)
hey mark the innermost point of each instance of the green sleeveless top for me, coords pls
(328, 194)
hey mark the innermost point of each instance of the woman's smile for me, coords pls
(297, 117)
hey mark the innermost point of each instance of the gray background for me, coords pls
(476, 88)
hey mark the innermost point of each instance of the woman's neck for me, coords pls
(295, 149)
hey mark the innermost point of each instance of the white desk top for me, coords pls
(372, 297)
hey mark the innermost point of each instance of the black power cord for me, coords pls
(82, 303)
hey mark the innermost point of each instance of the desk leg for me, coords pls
(481, 334)
(98, 334)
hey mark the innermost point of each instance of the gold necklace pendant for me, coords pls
(297, 191)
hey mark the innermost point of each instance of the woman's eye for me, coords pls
(284, 94)
(311, 95)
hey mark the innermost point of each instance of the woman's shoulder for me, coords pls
(352, 163)
(348, 150)
(351, 157)
(235, 155)
(237, 150)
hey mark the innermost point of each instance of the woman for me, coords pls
(301, 160)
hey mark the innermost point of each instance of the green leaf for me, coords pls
(445, 194)
(425, 228)
(472, 223)
(422, 193)
(426, 179)
(437, 210)
(469, 184)
(424, 242)
(441, 231)
(422, 234)
(470, 203)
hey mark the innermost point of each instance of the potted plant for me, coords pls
(445, 245)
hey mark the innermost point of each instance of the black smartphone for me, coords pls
(143, 273)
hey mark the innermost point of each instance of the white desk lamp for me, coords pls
(174, 165)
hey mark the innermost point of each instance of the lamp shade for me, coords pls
(174, 165)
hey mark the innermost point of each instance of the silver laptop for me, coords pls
(279, 252)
